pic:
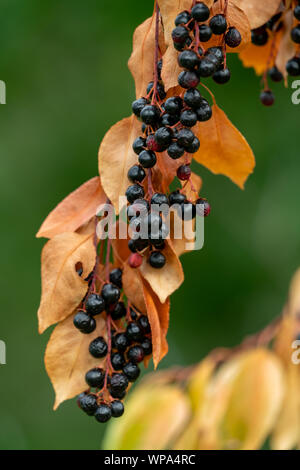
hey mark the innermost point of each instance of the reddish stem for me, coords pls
(156, 51)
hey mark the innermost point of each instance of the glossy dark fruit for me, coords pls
(187, 211)
(98, 347)
(147, 159)
(188, 79)
(88, 404)
(176, 197)
(206, 68)
(139, 207)
(293, 67)
(117, 393)
(295, 34)
(159, 199)
(192, 98)
(173, 105)
(159, 88)
(184, 172)
(139, 145)
(135, 354)
(117, 408)
(188, 118)
(218, 24)
(110, 294)
(205, 33)
(152, 144)
(175, 151)
(144, 324)
(118, 311)
(95, 377)
(138, 105)
(297, 12)
(180, 34)
(84, 323)
(259, 37)
(136, 174)
(204, 112)
(149, 114)
(203, 207)
(132, 371)
(134, 331)
(141, 244)
(147, 346)
(121, 342)
(117, 361)
(183, 18)
(275, 74)
(233, 37)
(103, 413)
(163, 136)
(169, 119)
(267, 98)
(217, 52)
(118, 383)
(185, 137)
(131, 246)
(188, 59)
(134, 192)
(222, 76)
(200, 12)
(194, 146)
(157, 259)
(94, 304)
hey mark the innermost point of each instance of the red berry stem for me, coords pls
(156, 54)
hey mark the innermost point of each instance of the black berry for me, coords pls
(138, 105)
(205, 33)
(163, 136)
(95, 377)
(147, 346)
(185, 137)
(117, 408)
(144, 324)
(188, 59)
(134, 192)
(218, 24)
(259, 36)
(233, 37)
(183, 18)
(297, 12)
(159, 199)
(135, 354)
(180, 34)
(200, 12)
(84, 323)
(176, 198)
(136, 174)
(295, 34)
(88, 404)
(98, 347)
(134, 331)
(157, 260)
(173, 105)
(121, 342)
(206, 68)
(103, 413)
(118, 311)
(132, 371)
(152, 144)
(188, 118)
(175, 151)
(110, 294)
(192, 98)
(203, 207)
(149, 114)
(94, 304)
(184, 172)
(222, 76)
(204, 112)
(188, 79)
(267, 97)
(147, 159)
(118, 383)
(117, 361)
(275, 74)
(139, 145)
(293, 67)
(194, 146)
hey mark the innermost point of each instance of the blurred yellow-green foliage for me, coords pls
(64, 63)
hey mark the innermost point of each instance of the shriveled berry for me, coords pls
(180, 34)
(184, 172)
(259, 36)
(147, 159)
(183, 18)
(157, 259)
(118, 383)
(293, 67)
(149, 114)
(138, 105)
(132, 371)
(144, 324)
(218, 24)
(176, 197)
(117, 408)
(200, 12)
(98, 347)
(135, 354)
(147, 346)
(192, 98)
(134, 331)
(203, 207)
(222, 76)
(188, 59)
(103, 413)
(139, 145)
(206, 68)
(188, 118)
(233, 37)
(188, 79)
(117, 311)
(121, 342)
(173, 105)
(110, 294)
(88, 404)
(134, 192)
(135, 260)
(267, 98)
(151, 144)
(95, 377)
(175, 151)
(205, 33)
(136, 174)
(163, 136)
(117, 361)
(94, 304)
(275, 74)
(84, 323)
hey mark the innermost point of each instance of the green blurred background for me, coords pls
(64, 63)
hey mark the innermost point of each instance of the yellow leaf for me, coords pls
(154, 415)
(223, 148)
(258, 11)
(67, 359)
(62, 287)
(116, 156)
(198, 382)
(75, 210)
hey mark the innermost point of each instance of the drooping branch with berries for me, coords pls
(108, 290)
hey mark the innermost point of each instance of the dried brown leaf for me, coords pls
(67, 359)
(287, 48)
(258, 11)
(62, 288)
(75, 210)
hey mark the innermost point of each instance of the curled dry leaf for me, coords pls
(258, 11)
(226, 152)
(75, 210)
(62, 287)
(158, 314)
(151, 421)
(67, 359)
(116, 156)
(166, 280)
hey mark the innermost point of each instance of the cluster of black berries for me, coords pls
(260, 36)
(188, 210)
(126, 347)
